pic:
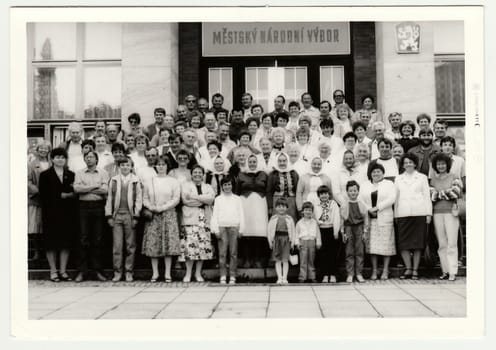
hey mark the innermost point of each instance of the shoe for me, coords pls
(232, 280)
(154, 279)
(65, 277)
(117, 277)
(279, 281)
(332, 279)
(360, 278)
(79, 278)
(285, 281)
(54, 277)
(199, 279)
(129, 277)
(385, 275)
(452, 277)
(186, 279)
(349, 279)
(301, 280)
(222, 280)
(415, 275)
(373, 277)
(168, 280)
(406, 274)
(444, 276)
(313, 280)
(325, 279)
(101, 277)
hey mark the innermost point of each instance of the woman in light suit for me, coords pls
(379, 195)
(413, 213)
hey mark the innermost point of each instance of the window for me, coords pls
(220, 81)
(265, 83)
(450, 86)
(331, 78)
(75, 71)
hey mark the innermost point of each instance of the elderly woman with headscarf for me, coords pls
(310, 182)
(251, 187)
(214, 149)
(282, 183)
(295, 162)
(215, 175)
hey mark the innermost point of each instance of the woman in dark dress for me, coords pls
(59, 213)
(407, 140)
(282, 183)
(251, 187)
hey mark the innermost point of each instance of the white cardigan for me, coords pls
(413, 195)
(385, 199)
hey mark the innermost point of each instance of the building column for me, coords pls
(149, 69)
(405, 82)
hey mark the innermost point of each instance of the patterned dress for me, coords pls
(195, 239)
(161, 237)
(381, 240)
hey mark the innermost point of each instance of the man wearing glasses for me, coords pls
(338, 97)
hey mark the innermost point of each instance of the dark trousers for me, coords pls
(255, 250)
(92, 219)
(328, 254)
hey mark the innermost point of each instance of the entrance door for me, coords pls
(266, 83)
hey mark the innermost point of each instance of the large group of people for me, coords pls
(245, 187)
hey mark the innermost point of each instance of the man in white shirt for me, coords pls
(210, 126)
(224, 140)
(379, 129)
(309, 110)
(393, 132)
(73, 146)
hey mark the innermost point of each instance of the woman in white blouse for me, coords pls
(161, 238)
(413, 213)
(379, 195)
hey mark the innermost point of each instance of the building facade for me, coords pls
(75, 73)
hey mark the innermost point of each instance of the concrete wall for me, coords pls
(149, 69)
(405, 82)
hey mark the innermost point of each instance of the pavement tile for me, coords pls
(34, 305)
(152, 297)
(339, 295)
(133, 311)
(163, 290)
(448, 308)
(231, 297)
(243, 289)
(386, 294)
(291, 288)
(294, 310)
(240, 310)
(348, 309)
(403, 308)
(434, 294)
(296, 296)
(333, 286)
(75, 314)
(54, 299)
(188, 310)
(37, 314)
(102, 297)
(195, 297)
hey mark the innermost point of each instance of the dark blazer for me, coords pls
(150, 131)
(59, 216)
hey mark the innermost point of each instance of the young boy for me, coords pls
(122, 210)
(281, 234)
(307, 240)
(327, 214)
(227, 224)
(354, 214)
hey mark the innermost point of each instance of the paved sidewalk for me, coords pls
(144, 300)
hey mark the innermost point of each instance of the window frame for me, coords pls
(454, 118)
(79, 63)
(322, 92)
(211, 93)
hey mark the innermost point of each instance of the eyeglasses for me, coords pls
(338, 95)
(133, 121)
(190, 101)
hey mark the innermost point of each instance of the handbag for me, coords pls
(293, 257)
(145, 212)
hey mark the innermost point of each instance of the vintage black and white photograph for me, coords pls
(246, 169)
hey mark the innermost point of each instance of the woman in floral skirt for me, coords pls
(161, 195)
(197, 198)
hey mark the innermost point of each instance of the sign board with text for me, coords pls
(275, 39)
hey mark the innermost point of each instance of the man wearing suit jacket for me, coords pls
(154, 128)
